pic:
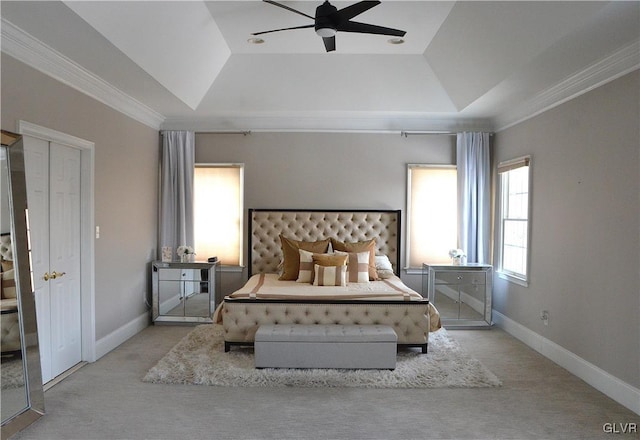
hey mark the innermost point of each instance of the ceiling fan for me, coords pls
(329, 20)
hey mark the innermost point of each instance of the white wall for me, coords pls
(585, 242)
(126, 182)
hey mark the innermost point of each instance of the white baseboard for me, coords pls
(112, 340)
(608, 384)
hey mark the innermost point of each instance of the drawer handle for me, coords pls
(459, 277)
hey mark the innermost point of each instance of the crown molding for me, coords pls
(619, 63)
(27, 49)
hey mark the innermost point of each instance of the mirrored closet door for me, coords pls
(22, 399)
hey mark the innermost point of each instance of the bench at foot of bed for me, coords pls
(325, 346)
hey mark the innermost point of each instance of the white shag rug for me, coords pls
(199, 359)
(11, 374)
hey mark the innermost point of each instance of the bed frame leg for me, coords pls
(227, 347)
(424, 348)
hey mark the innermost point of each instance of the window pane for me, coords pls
(515, 220)
(433, 227)
(218, 213)
(515, 246)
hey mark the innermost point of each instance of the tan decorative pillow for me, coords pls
(8, 284)
(291, 256)
(360, 246)
(330, 275)
(330, 259)
(308, 260)
(357, 267)
(6, 265)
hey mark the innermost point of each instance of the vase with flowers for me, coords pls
(457, 257)
(186, 254)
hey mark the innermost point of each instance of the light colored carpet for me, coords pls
(199, 359)
(12, 373)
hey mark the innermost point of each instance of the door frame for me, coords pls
(87, 227)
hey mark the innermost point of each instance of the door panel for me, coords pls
(65, 257)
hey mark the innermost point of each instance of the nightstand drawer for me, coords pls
(460, 278)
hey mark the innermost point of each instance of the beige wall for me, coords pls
(325, 170)
(585, 243)
(126, 176)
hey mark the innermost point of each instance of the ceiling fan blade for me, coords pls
(364, 28)
(280, 5)
(356, 9)
(283, 29)
(329, 43)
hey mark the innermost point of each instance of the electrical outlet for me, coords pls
(544, 316)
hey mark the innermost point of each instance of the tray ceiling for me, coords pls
(463, 65)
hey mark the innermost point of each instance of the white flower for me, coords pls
(185, 250)
(456, 253)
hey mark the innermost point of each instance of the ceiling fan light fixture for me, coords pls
(326, 32)
(395, 41)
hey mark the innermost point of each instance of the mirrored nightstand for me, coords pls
(184, 292)
(462, 294)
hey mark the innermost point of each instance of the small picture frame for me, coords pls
(167, 254)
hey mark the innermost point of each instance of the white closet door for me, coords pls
(53, 186)
(64, 257)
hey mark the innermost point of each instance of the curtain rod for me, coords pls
(444, 133)
(242, 132)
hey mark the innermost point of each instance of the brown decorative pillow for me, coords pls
(360, 246)
(330, 259)
(6, 265)
(291, 256)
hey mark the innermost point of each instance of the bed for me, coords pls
(279, 292)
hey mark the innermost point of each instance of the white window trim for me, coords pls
(231, 267)
(503, 274)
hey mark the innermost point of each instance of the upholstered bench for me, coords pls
(325, 346)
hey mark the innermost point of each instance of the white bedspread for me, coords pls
(267, 286)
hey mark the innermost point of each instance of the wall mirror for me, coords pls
(21, 397)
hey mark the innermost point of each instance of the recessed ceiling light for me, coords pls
(395, 41)
(255, 40)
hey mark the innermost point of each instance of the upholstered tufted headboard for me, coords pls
(266, 225)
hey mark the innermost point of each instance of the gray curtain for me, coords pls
(474, 192)
(176, 190)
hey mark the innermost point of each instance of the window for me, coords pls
(432, 212)
(218, 211)
(514, 219)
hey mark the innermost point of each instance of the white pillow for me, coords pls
(384, 267)
(382, 262)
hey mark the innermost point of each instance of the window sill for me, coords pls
(513, 279)
(231, 269)
(413, 270)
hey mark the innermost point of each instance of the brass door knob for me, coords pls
(53, 275)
